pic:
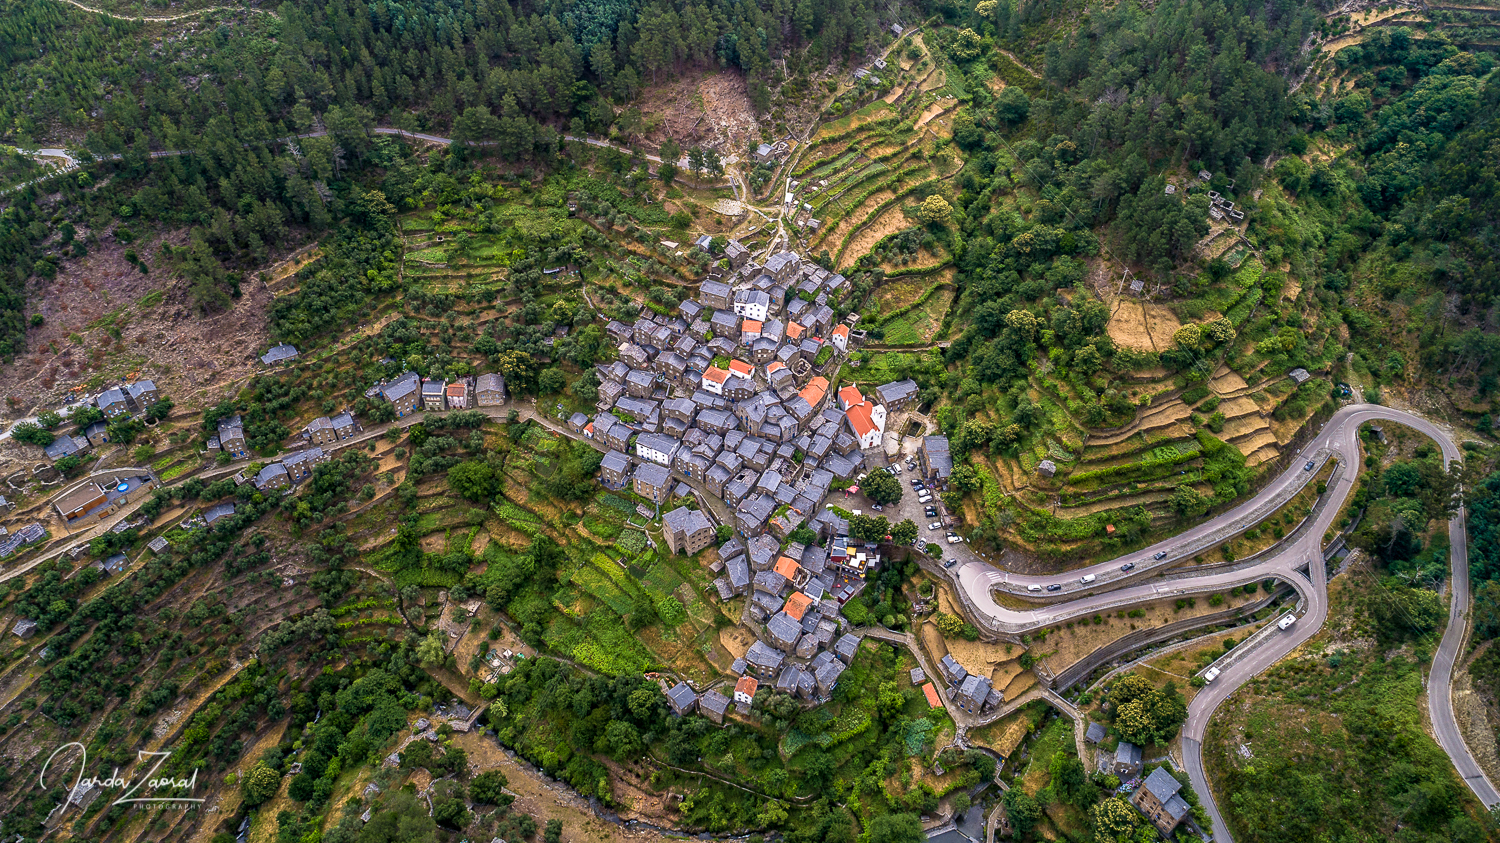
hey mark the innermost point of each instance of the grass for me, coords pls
(1336, 742)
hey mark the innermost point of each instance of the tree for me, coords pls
(951, 626)
(402, 820)
(259, 785)
(933, 549)
(1012, 106)
(621, 740)
(904, 533)
(488, 788)
(430, 651)
(896, 828)
(1189, 336)
(1189, 503)
(552, 381)
(32, 434)
(553, 832)
(1114, 820)
(473, 480)
(882, 488)
(1487, 610)
(934, 210)
(723, 533)
(870, 528)
(1022, 810)
(1145, 714)
(1069, 780)
(889, 700)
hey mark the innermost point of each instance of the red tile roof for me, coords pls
(746, 686)
(860, 421)
(932, 696)
(797, 605)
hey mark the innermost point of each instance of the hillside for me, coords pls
(1129, 256)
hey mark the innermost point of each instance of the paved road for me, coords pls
(1338, 439)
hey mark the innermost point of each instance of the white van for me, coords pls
(1211, 675)
(1286, 621)
(1087, 578)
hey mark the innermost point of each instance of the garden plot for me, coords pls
(1161, 421)
(888, 222)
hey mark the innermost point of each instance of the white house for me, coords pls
(840, 338)
(655, 447)
(714, 379)
(752, 304)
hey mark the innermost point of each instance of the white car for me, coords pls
(1286, 621)
(953, 539)
(1211, 675)
(1087, 578)
(1033, 588)
(924, 499)
(936, 525)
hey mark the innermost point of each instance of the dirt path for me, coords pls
(167, 18)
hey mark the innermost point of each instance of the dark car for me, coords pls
(1054, 587)
(931, 511)
(1160, 554)
(949, 563)
(1310, 466)
(1128, 566)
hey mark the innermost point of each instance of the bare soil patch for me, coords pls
(712, 110)
(97, 332)
(546, 800)
(1127, 326)
(1162, 323)
(931, 113)
(736, 640)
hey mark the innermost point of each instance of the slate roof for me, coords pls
(1161, 784)
(682, 696)
(896, 391)
(278, 353)
(715, 702)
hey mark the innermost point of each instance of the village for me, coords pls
(730, 408)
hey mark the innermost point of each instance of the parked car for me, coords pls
(1054, 587)
(1087, 578)
(877, 507)
(1310, 466)
(1033, 588)
(931, 511)
(1128, 566)
(954, 539)
(1160, 554)
(949, 563)
(936, 525)
(915, 482)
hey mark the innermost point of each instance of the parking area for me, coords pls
(931, 517)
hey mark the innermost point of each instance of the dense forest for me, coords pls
(518, 75)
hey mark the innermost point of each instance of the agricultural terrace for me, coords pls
(1126, 439)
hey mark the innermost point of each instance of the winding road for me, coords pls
(1297, 561)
